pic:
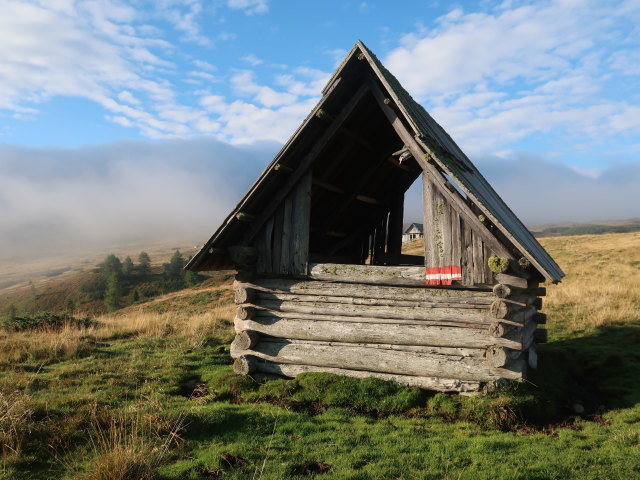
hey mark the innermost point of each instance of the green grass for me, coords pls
(160, 403)
(237, 428)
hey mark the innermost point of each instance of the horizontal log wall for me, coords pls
(436, 338)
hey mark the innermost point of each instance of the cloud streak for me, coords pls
(52, 199)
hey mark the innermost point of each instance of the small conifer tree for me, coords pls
(127, 267)
(144, 263)
(113, 293)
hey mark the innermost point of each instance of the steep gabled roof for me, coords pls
(430, 145)
(417, 226)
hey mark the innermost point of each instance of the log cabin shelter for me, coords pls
(318, 239)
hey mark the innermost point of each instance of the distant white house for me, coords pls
(413, 231)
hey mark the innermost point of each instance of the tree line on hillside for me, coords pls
(122, 282)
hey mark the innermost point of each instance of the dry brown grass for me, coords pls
(15, 422)
(47, 345)
(44, 345)
(602, 283)
(130, 445)
(602, 286)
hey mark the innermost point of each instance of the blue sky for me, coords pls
(546, 90)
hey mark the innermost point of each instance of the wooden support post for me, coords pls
(396, 216)
(442, 268)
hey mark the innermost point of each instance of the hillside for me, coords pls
(81, 284)
(148, 392)
(590, 228)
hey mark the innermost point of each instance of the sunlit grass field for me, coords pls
(148, 393)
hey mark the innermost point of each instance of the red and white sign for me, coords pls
(443, 275)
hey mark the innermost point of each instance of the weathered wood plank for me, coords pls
(442, 266)
(375, 274)
(396, 217)
(300, 226)
(268, 241)
(366, 332)
(276, 253)
(456, 241)
(481, 305)
(380, 360)
(466, 254)
(478, 260)
(338, 289)
(285, 239)
(344, 318)
(477, 315)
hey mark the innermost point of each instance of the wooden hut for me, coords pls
(322, 284)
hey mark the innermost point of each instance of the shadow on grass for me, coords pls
(583, 377)
(597, 372)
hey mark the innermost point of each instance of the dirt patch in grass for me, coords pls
(312, 468)
(228, 461)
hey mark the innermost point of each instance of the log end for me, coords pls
(246, 339)
(245, 365)
(244, 295)
(540, 318)
(246, 313)
(497, 329)
(499, 309)
(497, 356)
(540, 335)
(501, 291)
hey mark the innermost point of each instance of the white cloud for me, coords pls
(127, 97)
(523, 68)
(245, 122)
(250, 7)
(204, 65)
(183, 16)
(309, 82)
(53, 50)
(244, 83)
(202, 75)
(252, 60)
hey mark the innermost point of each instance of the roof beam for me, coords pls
(423, 159)
(304, 164)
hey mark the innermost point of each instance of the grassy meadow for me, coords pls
(147, 393)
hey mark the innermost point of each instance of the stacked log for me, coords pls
(385, 326)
